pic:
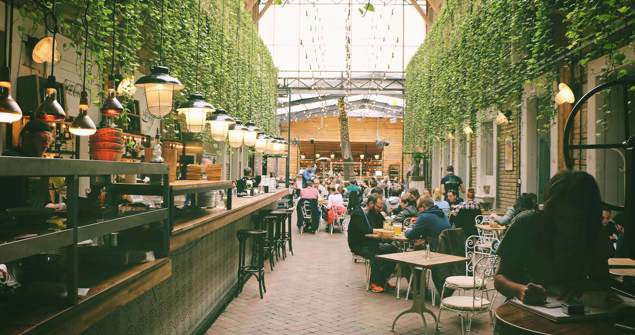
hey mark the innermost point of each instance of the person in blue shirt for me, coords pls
(307, 175)
(430, 222)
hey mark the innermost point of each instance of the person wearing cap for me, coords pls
(35, 138)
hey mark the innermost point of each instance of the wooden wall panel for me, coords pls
(361, 130)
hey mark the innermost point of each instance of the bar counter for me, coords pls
(180, 294)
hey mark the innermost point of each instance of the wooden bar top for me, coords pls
(186, 185)
(192, 230)
(621, 263)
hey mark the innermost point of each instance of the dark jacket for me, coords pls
(357, 228)
(430, 223)
(406, 213)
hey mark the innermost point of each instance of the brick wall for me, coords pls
(506, 188)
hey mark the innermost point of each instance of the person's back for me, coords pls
(430, 222)
(358, 227)
(309, 192)
(451, 182)
(437, 196)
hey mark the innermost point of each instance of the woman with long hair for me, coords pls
(560, 250)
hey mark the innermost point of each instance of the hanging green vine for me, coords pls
(479, 54)
(138, 44)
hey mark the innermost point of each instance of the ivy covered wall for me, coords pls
(236, 74)
(479, 53)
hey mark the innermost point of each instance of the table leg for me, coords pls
(418, 301)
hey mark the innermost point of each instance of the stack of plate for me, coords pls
(214, 172)
(194, 172)
(106, 144)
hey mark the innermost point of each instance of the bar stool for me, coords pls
(289, 236)
(256, 267)
(268, 224)
(281, 231)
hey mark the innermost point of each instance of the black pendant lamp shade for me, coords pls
(195, 110)
(83, 125)
(111, 106)
(159, 87)
(10, 111)
(50, 110)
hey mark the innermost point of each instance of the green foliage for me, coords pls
(223, 65)
(479, 54)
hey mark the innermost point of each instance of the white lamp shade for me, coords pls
(468, 130)
(261, 144)
(564, 95)
(317, 155)
(501, 119)
(280, 148)
(194, 118)
(271, 146)
(236, 135)
(219, 130)
(159, 99)
(361, 156)
(9, 117)
(81, 131)
(250, 138)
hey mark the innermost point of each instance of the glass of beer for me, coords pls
(397, 229)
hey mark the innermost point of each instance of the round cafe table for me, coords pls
(514, 320)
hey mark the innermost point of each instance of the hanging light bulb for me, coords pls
(83, 125)
(450, 136)
(564, 95)
(236, 134)
(112, 106)
(159, 86)
(251, 135)
(317, 156)
(332, 156)
(302, 156)
(261, 143)
(376, 157)
(195, 110)
(50, 110)
(361, 157)
(219, 123)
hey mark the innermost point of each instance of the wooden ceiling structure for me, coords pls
(326, 148)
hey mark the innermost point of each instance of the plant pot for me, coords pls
(106, 145)
(108, 132)
(106, 155)
(110, 139)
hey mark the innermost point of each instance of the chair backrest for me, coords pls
(465, 218)
(482, 219)
(475, 251)
(485, 269)
(306, 208)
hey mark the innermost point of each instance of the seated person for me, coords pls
(526, 201)
(453, 199)
(359, 244)
(464, 214)
(560, 250)
(440, 202)
(335, 205)
(430, 222)
(611, 231)
(311, 195)
(247, 182)
(408, 209)
(392, 203)
(619, 241)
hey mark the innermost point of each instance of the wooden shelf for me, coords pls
(192, 186)
(102, 299)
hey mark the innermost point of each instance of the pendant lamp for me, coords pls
(251, 134)
(219, 123)
(44, 51)
(111, 106)
(83, 125)
(261, 143)
(159, 86)
(10, 111)
(196, 108)
(236, 134)
(50, 110)
(271, 146)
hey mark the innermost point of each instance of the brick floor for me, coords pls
(321, 291)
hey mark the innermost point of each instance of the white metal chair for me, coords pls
(480, 299)
(361, 259)
(473, 253)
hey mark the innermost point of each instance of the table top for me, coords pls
(621, 262)
(401, 237)
(488, 227)
(417, 258)
(512, 319)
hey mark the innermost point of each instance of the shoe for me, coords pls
(391, 286)
(376, 288)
